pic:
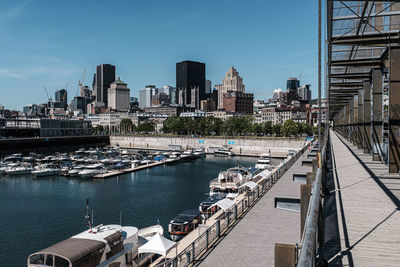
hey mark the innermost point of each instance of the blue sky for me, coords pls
(51, 42)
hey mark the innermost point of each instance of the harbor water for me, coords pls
(38, 212)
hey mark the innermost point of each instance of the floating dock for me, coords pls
(124, 171)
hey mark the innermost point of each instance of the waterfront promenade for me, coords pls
(362, 223)
(367, 200)
(252, 241)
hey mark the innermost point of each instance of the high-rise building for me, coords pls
(104, 76)
(170, 91)
(304, 92)
(61, 96)
(292, 84)
(145, 96)
(118, 95)
(231, 82)
(208, 87)
(190, 75)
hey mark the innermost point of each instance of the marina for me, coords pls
(57, 202)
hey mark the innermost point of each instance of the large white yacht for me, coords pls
(92, 170)
(46, 170)
(229, 181)
(103, 245)
(21, 169)
(264, 161)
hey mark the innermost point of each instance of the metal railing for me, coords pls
(228, 219)
(309, 239)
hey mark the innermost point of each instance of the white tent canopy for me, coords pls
(224, 204)
(158, 245)
(249, 184)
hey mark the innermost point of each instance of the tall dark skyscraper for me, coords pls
(61, 96)
(190, 75)
(292, 84)
(104, 76)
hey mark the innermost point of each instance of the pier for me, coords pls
(113, 173)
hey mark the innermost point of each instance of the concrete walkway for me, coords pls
(367, 199)
(252, 241)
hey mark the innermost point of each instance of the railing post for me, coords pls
(242, 205)
(218, 228)
(235, 212)
(207, 237)
(227, 219)
(193, 252)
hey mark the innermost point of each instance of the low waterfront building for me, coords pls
(197, 114)
(69, 127)
(111, 119)
(169, 110)
(158, 124)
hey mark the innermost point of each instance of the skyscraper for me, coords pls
(145, 96)
(118, 95)
(304, 92)
(61, 96)
(190, 75)
(231, 82)
(104, 76)
(292, 84)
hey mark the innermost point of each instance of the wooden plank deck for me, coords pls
(252, 241)
(368, 212)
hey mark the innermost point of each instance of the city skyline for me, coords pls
(54, 53)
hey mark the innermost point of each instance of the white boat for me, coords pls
(46, 170)
(264, 161)
(5, 166)
(92, 170)
(18, 170)
(173, 159)
(74, 172)
(188, 155)
(146, 161)
(13, 158)
(223, 152)
(102, 245)
(229, 181)
(200, 152)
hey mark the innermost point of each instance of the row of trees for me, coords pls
(234, 126)
(213, 126)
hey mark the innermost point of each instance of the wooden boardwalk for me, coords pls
(367, 199)
(252, 241)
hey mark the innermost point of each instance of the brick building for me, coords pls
(239, 102)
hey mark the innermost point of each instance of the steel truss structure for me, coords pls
(362, 59)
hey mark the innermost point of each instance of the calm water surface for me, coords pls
(38, 212)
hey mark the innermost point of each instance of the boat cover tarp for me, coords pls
(74, 248)
(225, 204)
(249, 184)
(158, 245)
(263, 175)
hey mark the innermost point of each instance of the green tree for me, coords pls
(126, 126)
(174, 125)
(290, 128)
(146, 127)
(268, 128)
(258, 129)
(308, 129)
(99, 129)
(276, 129)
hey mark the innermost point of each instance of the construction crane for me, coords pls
(80, 83)
(48, 97)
